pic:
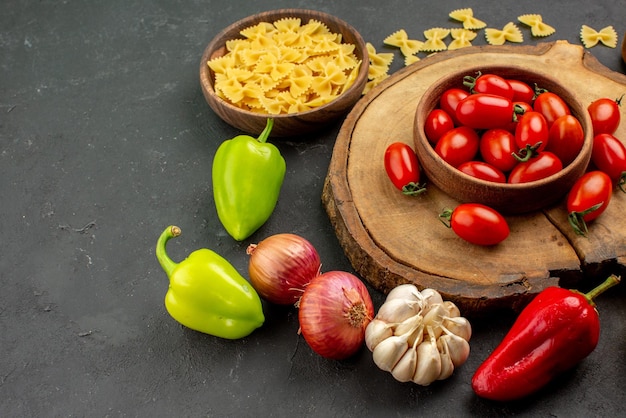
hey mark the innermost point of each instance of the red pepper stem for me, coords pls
(166, 262)
(266, 132)
(607, 284)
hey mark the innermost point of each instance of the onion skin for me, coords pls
(335, 310)
(281, 266)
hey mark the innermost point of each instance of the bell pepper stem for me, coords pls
(166, 262)
(266, 132)
(611, 281)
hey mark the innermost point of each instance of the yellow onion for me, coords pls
(281, 266)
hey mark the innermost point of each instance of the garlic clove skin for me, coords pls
(458, 348)
(404, 370)
(459, 326)
(409, 325)
(435, 317)
(431, 296)
(428, 366)
(389, 351)
(453, 310)
(397, 310)
(447, 367)
(377, 331)
(404, 291)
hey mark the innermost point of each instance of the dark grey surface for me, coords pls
(105, 139)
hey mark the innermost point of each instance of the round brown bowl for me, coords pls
(507, 198)
(284, 124)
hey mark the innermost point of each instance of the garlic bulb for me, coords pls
(417, 336)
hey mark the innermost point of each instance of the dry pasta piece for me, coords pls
(590, 37)
(379, 59)
(345, 57)
(260, 30)
(510, 32)
(401, 40)
(269, 64)
(284, 67)
(537, 26)
(461, 38)
(352, 76)
(410, 59)
(434, 39)
(467, 17)
(373, 83)
(379, 62)
(219, 65)
(288, 24)
(315, 28)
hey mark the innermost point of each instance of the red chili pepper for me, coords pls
(556, 330)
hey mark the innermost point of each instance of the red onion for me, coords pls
(281, 266)
(334, 311)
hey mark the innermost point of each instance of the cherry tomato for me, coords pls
(531, 130)
(476, 223)
(543, 165)
(551, 106)
(458, 145)
(437, 123)
(605, 115)
(450, 99)
(609, 155)
(483, 171)
(402, 168)
(522, 92)
(497, 147)
(588, 199)
(489, 84)
(485, 111)
(566, 138)
(520, 109)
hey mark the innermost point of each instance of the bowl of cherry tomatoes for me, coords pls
(508, 137)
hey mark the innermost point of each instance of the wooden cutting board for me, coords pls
(392, 239)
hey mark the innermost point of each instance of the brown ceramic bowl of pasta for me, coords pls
(506, 197)
(303, 68)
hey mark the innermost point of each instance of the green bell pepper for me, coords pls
(248, 174)
(207, 294)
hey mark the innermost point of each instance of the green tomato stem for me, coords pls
(166, 262)
(445, 217)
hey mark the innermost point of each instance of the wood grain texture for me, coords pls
(392, 239)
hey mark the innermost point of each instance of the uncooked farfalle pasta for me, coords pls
(590, 37)
(285, 67)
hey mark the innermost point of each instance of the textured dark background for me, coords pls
(105, 139)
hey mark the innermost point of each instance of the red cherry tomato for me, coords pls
(522, 92)
(543, 165)
(588, 199)
(476, 223)
(609, 155)
(605, 115)
(402, 168)
(450, 99)
(458, 145)
(531, 130)
(551, 106)
(485, 111)
(483, 171)
(437, 123)
(497, 147)
(489, 84)
(520, 109)
(566, 138)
